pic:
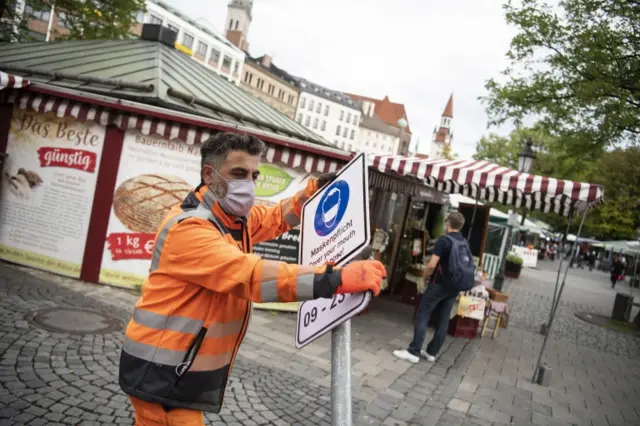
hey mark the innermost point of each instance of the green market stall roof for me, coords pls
(148, 72)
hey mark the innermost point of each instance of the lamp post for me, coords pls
(402, 149)
(525, 161)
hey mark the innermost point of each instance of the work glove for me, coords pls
(363, 275)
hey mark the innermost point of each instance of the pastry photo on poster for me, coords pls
(154, 175)
(48, 185)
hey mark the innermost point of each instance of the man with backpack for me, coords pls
(452, 263)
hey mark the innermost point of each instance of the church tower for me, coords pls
(443, 135)
(238, 22)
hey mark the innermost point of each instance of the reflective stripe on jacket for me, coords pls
(195, 306)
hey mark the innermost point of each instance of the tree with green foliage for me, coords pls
(13, 25)
(94, 19)
(618, 171)
(576, 67)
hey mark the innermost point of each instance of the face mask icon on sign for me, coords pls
(330, 207)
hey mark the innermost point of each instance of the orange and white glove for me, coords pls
(359, 276)
(363, 275)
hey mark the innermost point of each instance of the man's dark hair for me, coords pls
(214, 150)
(455, 220)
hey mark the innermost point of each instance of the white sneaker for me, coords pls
(426, 356)
(405, 355)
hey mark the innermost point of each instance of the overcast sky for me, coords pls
(417, 52)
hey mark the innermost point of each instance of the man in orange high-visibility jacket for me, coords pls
(196, 302)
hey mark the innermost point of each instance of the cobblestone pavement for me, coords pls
(595, 374)
(585, 291)
(49, 378)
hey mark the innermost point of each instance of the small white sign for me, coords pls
(318, 316)
(529, 256)
(334, 228)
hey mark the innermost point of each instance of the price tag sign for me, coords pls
(334, 228)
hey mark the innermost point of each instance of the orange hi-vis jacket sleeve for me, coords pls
(197, 252)
(268, 223)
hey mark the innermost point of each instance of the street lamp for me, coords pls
(525, 161)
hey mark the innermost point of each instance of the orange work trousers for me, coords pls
(151, 414)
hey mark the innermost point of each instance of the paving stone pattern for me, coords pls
(49, 378)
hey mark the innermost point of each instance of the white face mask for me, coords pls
(241, 194)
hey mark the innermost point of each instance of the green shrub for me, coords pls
(515, 259)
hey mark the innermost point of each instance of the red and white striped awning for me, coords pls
(490, 182)
(171, 130)
(12, 81)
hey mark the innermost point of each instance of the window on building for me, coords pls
(375, 144)
(338, 130)
(226, 63)
(260, 84)
(231, 24)
(236, 68)
(271, 89)
(389, 149)
(366, 143)
(214, 58)
(355, 119)
(62, 19)
(303, 102)
(326, 110)
(248, 77)
(42, 15)
(342, 145)
(187, 40)
(324, 125)
(280, 94)
(153, 19)
(315, 123)
(349, 148)
(353, 134)
(345, 132)
(299, 119)
(307, 121)
(202, 48)
(139, 17)
(319, 108)
(311, 105)
(368, 133)
(36, 36)
(341, 115)
(348, 117)
(383, 148)
(173, 27)
(236, 24)
(384, 137)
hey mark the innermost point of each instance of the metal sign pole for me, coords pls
(341, 375)
(554, 309)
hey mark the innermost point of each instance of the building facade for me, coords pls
(197, 39)
(381, 130)
(271, 84)
(442, 136)
(194, 38)
(330, 114)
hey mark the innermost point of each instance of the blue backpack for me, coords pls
(461, 268)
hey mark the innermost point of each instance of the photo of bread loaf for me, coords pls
(22, 183)
(142, 202)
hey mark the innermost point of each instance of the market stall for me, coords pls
(486, 181)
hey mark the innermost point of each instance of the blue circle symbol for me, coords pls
(332, 207)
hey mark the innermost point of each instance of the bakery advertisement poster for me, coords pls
(154, 175)
(48, 185)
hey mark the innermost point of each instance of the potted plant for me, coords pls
(513, 266)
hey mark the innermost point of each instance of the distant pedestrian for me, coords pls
(451, 254)
(592, 260)
(617, 270)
